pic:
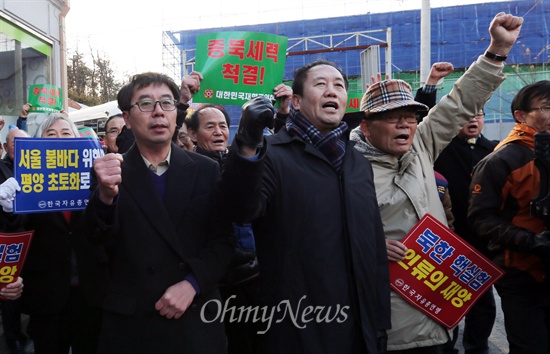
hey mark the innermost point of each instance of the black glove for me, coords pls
(538, 244)
(257, 114)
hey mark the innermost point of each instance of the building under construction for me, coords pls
(364, 45)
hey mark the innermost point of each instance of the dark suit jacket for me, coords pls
(47, 270)
(160, 241)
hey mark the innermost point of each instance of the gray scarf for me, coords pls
(362, 144)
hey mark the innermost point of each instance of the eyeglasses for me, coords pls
(409, 118)
(113, 131)
(542, 109)
(184, 137)
(150, 105)
(480, 115)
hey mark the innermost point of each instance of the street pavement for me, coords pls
(497, 341)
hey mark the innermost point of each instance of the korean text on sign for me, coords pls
(441, 274)
(54, 174)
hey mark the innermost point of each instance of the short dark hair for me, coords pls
(522, 100)
(300, 75)
(194, 121)
(111, 118)
(140, 81)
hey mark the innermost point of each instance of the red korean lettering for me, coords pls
(256, 50)
(272, 51)
(353, 103)
(236, 48)
(253, 75)
(231, 71)
(216, 48)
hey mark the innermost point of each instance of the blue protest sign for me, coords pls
(54, 174)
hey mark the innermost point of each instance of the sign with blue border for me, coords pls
(54, 173)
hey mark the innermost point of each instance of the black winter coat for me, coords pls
(160, 241)
(320, 245)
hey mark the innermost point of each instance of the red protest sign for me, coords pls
(13, 251)
(441, 275)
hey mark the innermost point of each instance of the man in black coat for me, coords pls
(170, 248)
(323, 264)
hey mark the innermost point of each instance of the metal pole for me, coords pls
(425, 41)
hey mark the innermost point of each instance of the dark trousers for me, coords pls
(76, 327)
(478, 325)
(526, 308)
(11, 320)
(242, 337)
(434, 349)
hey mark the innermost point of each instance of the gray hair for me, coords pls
(52, 118)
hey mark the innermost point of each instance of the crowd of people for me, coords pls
(281, 242)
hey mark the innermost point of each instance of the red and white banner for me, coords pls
(13, 251)
(442, 275)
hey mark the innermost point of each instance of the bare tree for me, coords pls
(91, 85)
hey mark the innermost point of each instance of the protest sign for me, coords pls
(87, 132)
(354, 101)
(441, 274)
(45, 98)
(54, 174)
(238, 66)
(13, 251)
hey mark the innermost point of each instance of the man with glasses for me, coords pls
(184, 140)
(502, 189)
(170, 249)
(113, 127)
(456, 162)
(402, 153)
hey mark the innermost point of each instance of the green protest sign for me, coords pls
(45, 98)
(238, 66)
(354, 101)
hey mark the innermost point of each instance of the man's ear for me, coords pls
(296, 100)
(192, 135)
(519, 116)
(126, 117)
(364, 128)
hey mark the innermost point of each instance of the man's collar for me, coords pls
(162, 166)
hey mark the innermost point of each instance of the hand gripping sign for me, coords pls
(441, 275)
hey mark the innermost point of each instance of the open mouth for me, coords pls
(219, 141)
(331, 105)
(402, 138)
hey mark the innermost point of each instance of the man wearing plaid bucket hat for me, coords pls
(402, 152)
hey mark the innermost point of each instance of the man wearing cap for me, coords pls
(402, 153)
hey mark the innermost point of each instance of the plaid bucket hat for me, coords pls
(389, 94)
